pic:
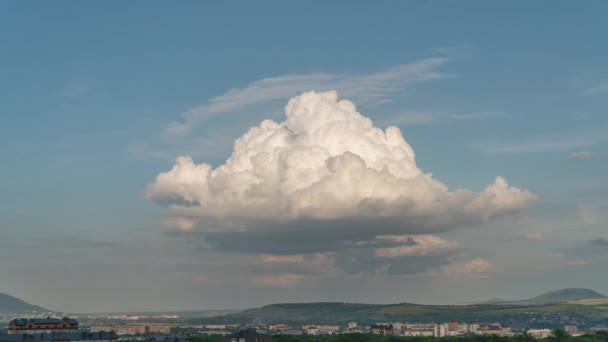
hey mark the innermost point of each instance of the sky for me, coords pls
(222, 155)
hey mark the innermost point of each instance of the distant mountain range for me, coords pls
(588, 304)
(13, 305)
(567, 305)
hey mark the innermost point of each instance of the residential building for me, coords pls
(571, 329)
(441, 330)
(382, 329)
(42, 325)
(278, 327)
(493, 329)
(428, 333)
(419, 329)
(539, 333)
(312, 330)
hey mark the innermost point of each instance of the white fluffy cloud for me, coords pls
(325, 163)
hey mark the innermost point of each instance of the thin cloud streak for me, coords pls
(582, 155)
(415, 118)
(598, 89)
(553, 143)
(368, 89)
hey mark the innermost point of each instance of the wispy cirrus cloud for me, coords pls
(576, 263)
(547, 143)
(480, 115)
(415, 118)
(372, 88)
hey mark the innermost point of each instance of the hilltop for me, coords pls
(566, 295)
(13, 305)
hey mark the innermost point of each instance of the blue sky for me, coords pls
(89, 93)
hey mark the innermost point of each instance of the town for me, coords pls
(147, 328)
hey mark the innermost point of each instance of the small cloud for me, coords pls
(589, 214)
(74, 89)
(582, 155)
(472, 268)
(278, 280)
(575, 263)
(535, 236)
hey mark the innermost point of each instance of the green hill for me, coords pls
(13, 305)
(566, 295)
(555, 314)
(556, 308)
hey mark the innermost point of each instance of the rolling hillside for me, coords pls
(553, 308)
(341, 313)
(13, 305)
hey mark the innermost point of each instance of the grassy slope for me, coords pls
(594, 302)
(341, 313)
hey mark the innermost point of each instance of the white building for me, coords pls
(539, 333)
(441, 330)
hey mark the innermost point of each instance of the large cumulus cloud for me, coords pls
(325, 170)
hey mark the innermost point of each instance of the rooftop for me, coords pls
(24, 321)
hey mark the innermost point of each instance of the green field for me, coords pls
(595, 302)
